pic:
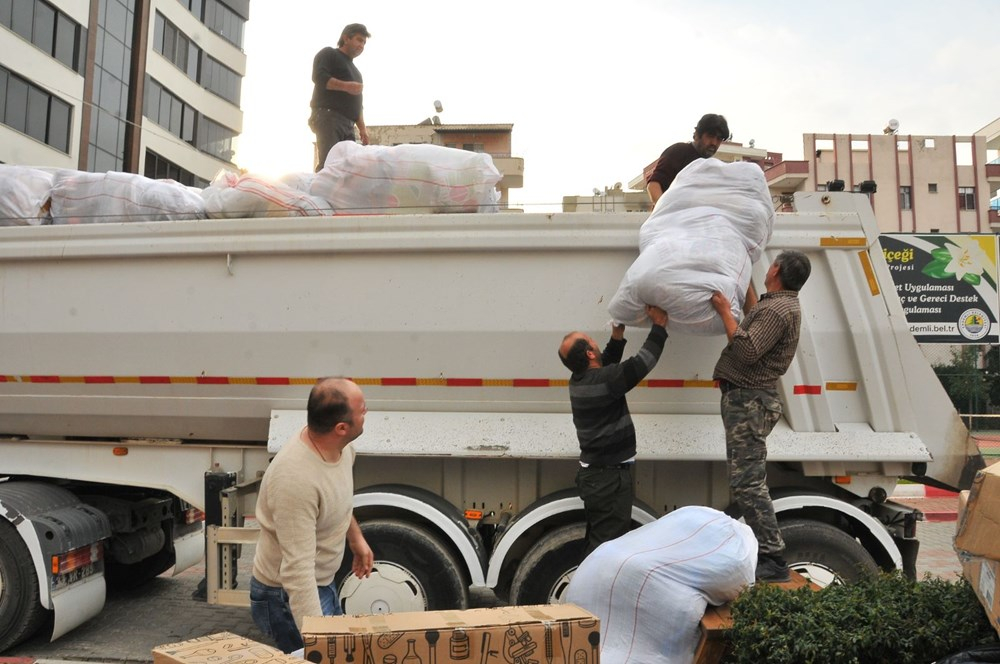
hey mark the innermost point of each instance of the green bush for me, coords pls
(882, 618)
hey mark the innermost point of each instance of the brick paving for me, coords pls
(134, 621)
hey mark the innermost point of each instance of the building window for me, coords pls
(110, 132)
(159, 168)
(966, 198)
(219, 18)
(47, 28)
(473, 147)
(34, 111)
(200, 67)
(932, 188)
(905, 198)
(170, 112)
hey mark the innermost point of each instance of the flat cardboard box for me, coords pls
(221, 648)
(982, 574)
(978, 530)
(510, 634)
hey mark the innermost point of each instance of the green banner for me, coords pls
(947, 285)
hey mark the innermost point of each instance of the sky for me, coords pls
(596, 90)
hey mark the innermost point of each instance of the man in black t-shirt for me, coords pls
(711, 132)
(337, 86)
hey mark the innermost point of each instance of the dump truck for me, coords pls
(151, 369)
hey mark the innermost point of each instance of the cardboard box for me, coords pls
(978, 530)
(982, 574)
(221, 648)
(502, 635)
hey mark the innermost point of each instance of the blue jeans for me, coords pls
(272, 614)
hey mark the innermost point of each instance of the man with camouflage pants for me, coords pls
(759, 352)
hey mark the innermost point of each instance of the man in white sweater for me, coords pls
(305, 513)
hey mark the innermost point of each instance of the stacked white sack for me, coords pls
(82, 198)
(406, 179)
(650, 587)
(704, 235)
(24, 195)
(232, 196)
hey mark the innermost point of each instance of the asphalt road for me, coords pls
(135, 621)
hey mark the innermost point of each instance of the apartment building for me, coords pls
(141, 86)
(493, 139)
(917, 184)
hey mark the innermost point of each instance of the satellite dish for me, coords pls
(437, 106)
(891, 127)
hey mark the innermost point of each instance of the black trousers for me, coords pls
(607, 495)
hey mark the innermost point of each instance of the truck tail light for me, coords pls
(77, 558)
(193, 515)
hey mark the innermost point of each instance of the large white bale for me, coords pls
(406, 179)
(232, 196)
(24, 195)
(650, 587)
(81, 198)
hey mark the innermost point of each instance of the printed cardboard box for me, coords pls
(502, 635)
(982, 574)
(221, 648)
(978, 530)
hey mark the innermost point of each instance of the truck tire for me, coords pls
(21, 611)
(544, 573)
(413, 571)
(825, 554)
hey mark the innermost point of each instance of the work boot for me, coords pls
(772, 569)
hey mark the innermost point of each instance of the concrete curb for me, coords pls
(936, 504)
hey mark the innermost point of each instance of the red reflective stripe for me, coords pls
(464, 382)
(44, 379)
(398, 381)
(661, 382)
(808, 389)
(98, 379)
(532, 382)
(273, 381)
(154, 380)
(212, 380)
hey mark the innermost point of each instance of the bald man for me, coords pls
(604, 427)
(305, 512)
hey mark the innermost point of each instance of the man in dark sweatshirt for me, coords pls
(603, 425)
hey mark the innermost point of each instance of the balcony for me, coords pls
(993, 172)
(787, 176)
(512, 169)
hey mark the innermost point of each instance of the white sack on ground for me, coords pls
(703, 235)
(232, 196)
(738, 191)
(24, 195)
(678, 273)
(650, 587)
(83, 198)
(406, 179)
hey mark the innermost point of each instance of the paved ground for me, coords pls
(133, 622)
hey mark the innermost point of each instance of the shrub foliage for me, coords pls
(882, 618)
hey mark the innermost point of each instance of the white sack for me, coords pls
(24, 195)
(650, 587)
(406, 179)
(678, 273)
(737, 191)
(232, 196)
(82, 198)
(704, 235)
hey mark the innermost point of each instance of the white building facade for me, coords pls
(141, 86)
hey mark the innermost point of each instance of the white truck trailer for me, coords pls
(137, 360)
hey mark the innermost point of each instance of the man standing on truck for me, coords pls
(337, 100)
(603, 424)
(304, 509)
(759, 352)
(709, 134)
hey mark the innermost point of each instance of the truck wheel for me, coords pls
(413, 572)
(545, 572)
(21, 612)
(825, 554)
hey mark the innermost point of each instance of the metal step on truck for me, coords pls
(144, 367)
